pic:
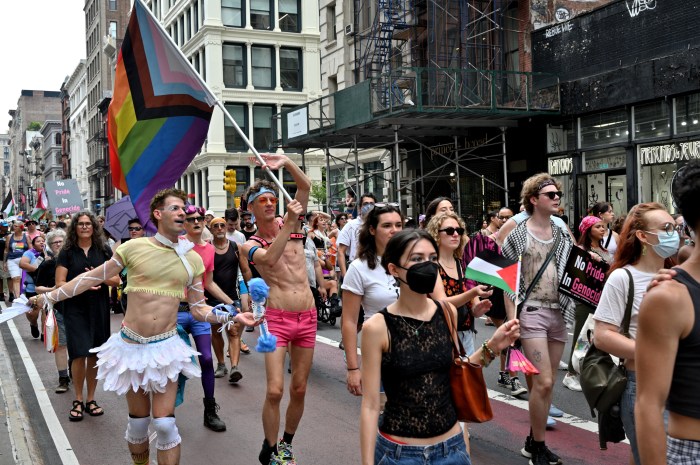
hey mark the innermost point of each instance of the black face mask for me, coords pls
(421, 277)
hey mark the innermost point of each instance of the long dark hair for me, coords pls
(98, 237)
(432, 208)
(400, 241)
(367, 249)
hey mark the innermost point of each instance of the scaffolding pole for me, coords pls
(397, 161)
(328, 179)
(459, 190)
(505, 167)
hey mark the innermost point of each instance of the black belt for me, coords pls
(183, 307)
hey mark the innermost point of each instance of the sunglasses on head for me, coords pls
(552, 194)
(450, 231)
(386, 204)
(190, 209)
(195, 218)
(134, 228)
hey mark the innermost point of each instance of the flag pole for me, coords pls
(220, 104)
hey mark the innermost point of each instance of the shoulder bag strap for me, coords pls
(457, 348)
(610, 234)
(540, 272)
(628, 308)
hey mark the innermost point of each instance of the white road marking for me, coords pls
(65, 450)
(508, 399)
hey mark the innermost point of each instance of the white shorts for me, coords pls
(13, 267)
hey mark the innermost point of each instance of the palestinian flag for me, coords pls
(9, 208)
(488, 267)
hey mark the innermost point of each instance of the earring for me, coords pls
(644, 249)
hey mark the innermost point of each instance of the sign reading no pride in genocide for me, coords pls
(64, 196)
(583, 277)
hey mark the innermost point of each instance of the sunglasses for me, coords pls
(552, 194)
(195, 218)
(134, 228)
(386, 204)
(270, 200)
(450, 231)
(190, 209)
(504, 218)
(218, 226)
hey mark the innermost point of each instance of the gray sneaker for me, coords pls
(221, 370)
(516, 389)
(236, 375)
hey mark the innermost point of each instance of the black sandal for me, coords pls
(78, 413)
(90, 408)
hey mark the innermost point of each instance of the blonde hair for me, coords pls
(533, 185)
(435, 224)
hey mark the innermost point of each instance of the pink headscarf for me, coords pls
(587, 222)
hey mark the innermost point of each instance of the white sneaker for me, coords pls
(572, 382)
(563, 366)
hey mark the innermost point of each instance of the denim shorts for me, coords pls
(192, 326)
(627, 413)
(452, 451)
(467, 338)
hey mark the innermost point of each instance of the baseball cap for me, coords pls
(209, 212)
(30, 220)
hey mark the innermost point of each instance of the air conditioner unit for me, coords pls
(349, 30)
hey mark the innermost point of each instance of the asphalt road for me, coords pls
(329, 431)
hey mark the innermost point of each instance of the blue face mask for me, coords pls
(668, 245)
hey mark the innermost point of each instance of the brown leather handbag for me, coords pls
(469, 394)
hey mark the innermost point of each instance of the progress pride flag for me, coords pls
(583, 277)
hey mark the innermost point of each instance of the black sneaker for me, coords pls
(503, 379)
(516, 389)
(544, 457)
(63, 384)
(35, 331)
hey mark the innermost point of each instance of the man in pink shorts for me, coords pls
(277, 253)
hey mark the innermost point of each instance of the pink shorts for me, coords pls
(542, 322)
(298, 328)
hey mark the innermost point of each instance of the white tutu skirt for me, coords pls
(123, 366)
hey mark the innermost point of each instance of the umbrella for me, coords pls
(118, 216)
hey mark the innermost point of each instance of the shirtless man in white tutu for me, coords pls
(144, 359)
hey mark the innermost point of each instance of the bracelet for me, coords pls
(352, 369)
(484, 362)
(487, 349)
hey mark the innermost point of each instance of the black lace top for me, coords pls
(415, 375)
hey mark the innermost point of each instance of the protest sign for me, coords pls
(583, 277)
(64, 196)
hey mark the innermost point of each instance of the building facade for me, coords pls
(76, 159)
(50, 161)
(630, 94)
(103, 18)
(5, 173)
(34, 107)
(259, 58)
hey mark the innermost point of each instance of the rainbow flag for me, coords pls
(159, 115)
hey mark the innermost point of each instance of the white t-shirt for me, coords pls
(523, 215)
(376, 287)
(311, 259)
(349, 237)
(236, 236)
(612, 246)
(613, 300)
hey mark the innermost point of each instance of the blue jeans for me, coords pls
(627, 413)
(453, 451)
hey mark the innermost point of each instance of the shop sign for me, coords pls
(559, 166)
(669, 153)
(297, 123)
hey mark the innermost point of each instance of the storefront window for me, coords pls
(659, 164)
(562, 137)
(651, 120)
(562, 169)
(606, 128)
(688, 114)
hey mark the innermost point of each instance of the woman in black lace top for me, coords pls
(407, 347)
